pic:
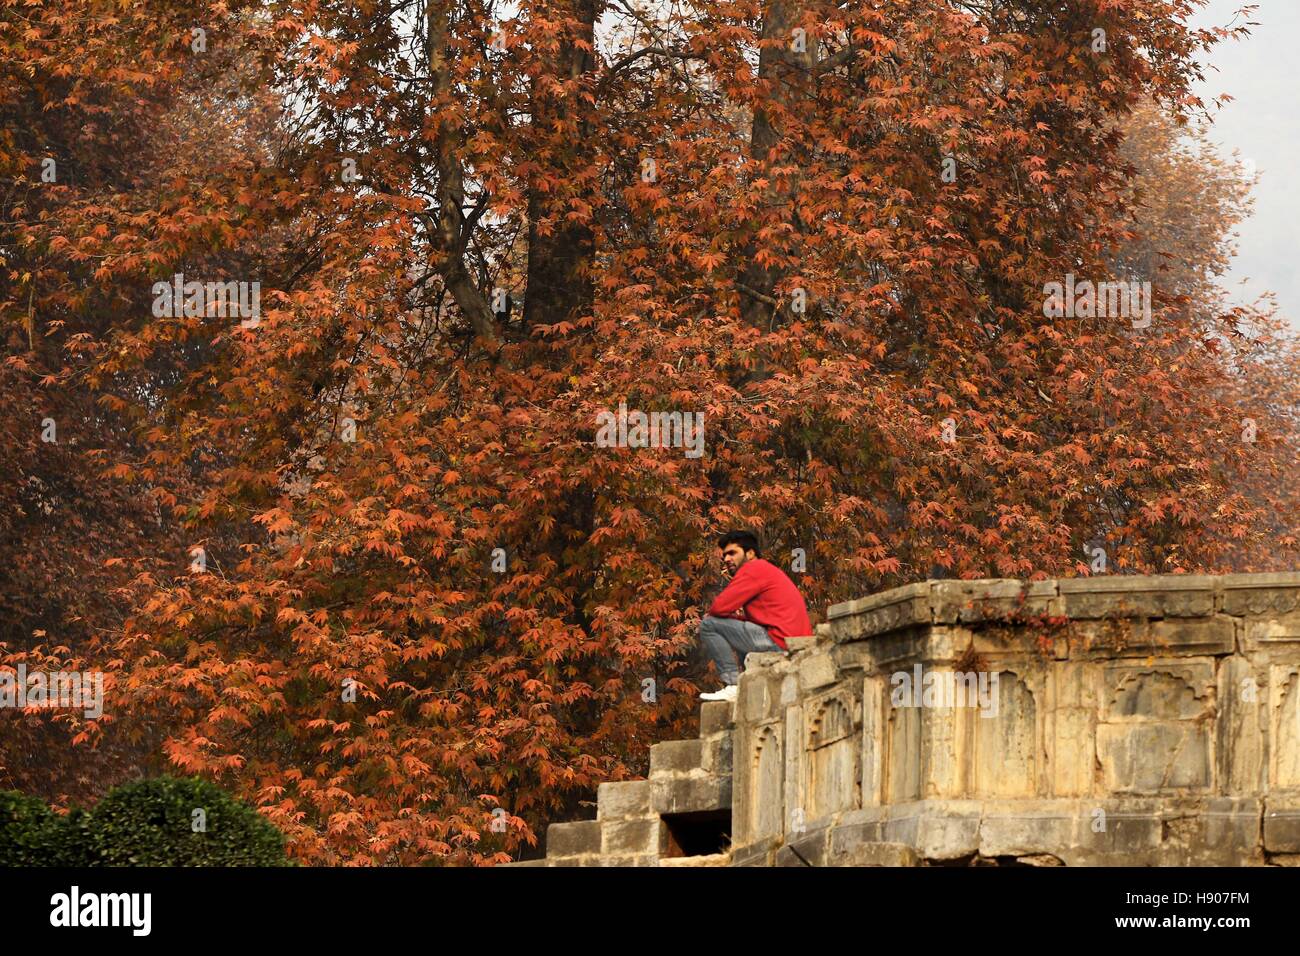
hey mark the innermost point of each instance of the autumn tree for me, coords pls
(432, 612)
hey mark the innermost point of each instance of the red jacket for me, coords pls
(770, 599)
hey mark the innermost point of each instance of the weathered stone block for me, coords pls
(858, 656)
(715, 716)
(789, 690)
(755, 696)
(755, 854)
(1279, 630)
(630, 798)
(632, 836)
(1169, 595)
(1231, 832)
(938, 829)
(690, 794)
(1258, 595)
(1212, 635)
(805, 849)
(1161, 690)
(878, 854)
(1116, 833)
(794, 645)
(991, 599)
(1282, 823)
(1113, 638)
(1284, 725)
(716, 755)
(675, 756)
(880, 613)
(852, 832)
(815, 671)
(1029, 827)
(573, 839)
(1154, 757)
(761, 775)
(1240, 731)
(759, 660)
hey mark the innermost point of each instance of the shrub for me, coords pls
(31, 834)
(152, 823)
(147, 823)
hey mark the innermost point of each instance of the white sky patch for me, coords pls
(1261, 123)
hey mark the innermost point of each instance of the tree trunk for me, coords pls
(790, 74)
(560, 251)
(451, 234)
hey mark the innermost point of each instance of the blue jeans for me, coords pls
(727, 639)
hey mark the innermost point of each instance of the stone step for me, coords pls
(676, 756)
(694, 793)
(573, 839)
(716, 716)
(685, 776)
(623, 800)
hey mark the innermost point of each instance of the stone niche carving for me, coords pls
(832, 761)
(767, 800)
(902, 753)
(1155, 729)
(1005, 746)
(1286, 710)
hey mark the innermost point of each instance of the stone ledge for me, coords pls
(690, 794)
(1087, 598)
(1219, 831)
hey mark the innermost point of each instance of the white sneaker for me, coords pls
(727, 693)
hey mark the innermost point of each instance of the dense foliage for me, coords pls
(361, 559)
(159, 822)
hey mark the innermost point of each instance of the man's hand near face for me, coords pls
(728, 572)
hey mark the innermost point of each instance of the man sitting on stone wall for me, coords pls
(755, 612)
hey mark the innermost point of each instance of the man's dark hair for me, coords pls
(746, 541)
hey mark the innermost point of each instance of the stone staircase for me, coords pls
(666, 820)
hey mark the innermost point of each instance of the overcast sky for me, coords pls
(1262, 73)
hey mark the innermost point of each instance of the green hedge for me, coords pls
(149, 823)
(31, 834)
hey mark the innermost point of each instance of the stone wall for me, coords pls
(1114, 720)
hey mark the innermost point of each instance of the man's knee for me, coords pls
(709, 623)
